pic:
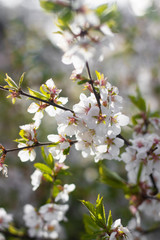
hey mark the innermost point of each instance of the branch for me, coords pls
(36, 145)
(127, 143)
(93, 88)
(155, 188)
(21, 92)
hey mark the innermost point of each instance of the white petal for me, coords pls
(50, 83)
(123, 120)
(51, 111)
(24, 155)
(33, 107)
(53, 138)
(32, 155)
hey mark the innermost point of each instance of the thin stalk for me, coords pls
(93, 88)
(21, 92)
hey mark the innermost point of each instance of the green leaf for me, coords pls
(47, 177)
(89, 224)
(101, 9)
(51, 6)
(66, 15)
(96, 212)
(109, 221)
(106, 13)
(139, 172)
(138, 100)
(66, 151)
(37, 94)
(10, 82)
(90, 206)
(111, 178)
(82, 81)
(21, 80)
(135, 117)
(44, 92)
(43, 154)
(100, 211)
(48, 159)
(55, 191)
(43, 168)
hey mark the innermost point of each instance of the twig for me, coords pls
(21, 92)
(93, 88)
(154, 184)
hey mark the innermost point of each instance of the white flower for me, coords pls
(37, 109)
(51, 230)
(36, 178)
(61, 144)
(5, 219)
(68, 124)
(119, 231)
(4, 169)
(33, 221)
(144, 150)
(51, 211)
(109, 148)
(28, 153)
(116, 121)
(63, 195)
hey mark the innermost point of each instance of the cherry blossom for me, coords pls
(63, 195)
(36, 178)
(5, 219)
(118, 231)
(51, 211)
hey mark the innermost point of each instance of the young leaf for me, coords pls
(82, 81)
(37, 94)
(138, 101)
(43, 168)
(21, 80)
(55, 191)
(96, 212)
(111, 178)
(100, 211)
(66, 151)
(47, 177)
(48, 159)
(10, 82)
(109, 221)
(90, 225)
(43, 154)
(51, 6)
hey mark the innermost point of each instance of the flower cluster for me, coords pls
(96, 128)
(86, 35)
(44, 222)
(145, 151)
(51, 93)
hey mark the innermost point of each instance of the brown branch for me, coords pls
(36, 145)
(155, 188)
(93, 88)
(21, 92)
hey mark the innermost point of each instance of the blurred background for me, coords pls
(26, 45)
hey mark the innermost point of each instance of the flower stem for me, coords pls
(93, 88)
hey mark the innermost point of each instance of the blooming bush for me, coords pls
(92, 126)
